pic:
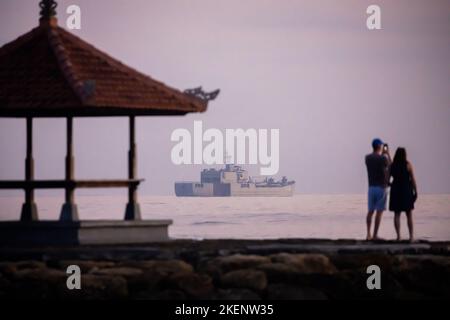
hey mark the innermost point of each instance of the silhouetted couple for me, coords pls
(399, 175)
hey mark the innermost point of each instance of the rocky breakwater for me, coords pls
(233, 274)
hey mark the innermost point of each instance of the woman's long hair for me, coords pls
(400, 159)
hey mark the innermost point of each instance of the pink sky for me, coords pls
(309, 68)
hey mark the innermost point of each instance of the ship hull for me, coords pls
(195, 189)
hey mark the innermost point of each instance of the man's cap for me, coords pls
(377, 142)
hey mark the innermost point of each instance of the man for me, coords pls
(377, 164)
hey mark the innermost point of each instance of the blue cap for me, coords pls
(377, 142)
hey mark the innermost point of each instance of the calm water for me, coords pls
(318, 216)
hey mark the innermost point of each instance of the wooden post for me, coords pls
(29, 208)
(69, 211)
(132, 211)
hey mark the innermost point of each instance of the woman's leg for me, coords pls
(410, 225)
(397, 224)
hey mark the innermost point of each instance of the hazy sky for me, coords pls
(309, 68)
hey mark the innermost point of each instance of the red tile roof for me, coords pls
(50, 72)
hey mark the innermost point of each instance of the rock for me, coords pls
(39, 283)
(237, 261)
(149, 281)
(332, 285)
(135, 279)
(86, 265)
(426, 274)
(407, 262)
(118, 271)
(235, 294)
(190, 256)
(193, 284)
(165, 267)
(98, 287)
(245, 278)
(362, 261)
(306, 263)
(8, 268)
(144, 277)
(30, 265)
(279, 272)
(280, 291)
(41, 274)
(335, 286)
(217, 266)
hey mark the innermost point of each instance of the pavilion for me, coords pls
(49, 72)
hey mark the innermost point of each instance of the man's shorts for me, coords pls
(377, 198)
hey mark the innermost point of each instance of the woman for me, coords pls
(403, 191)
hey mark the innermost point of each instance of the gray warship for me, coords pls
(233, 181)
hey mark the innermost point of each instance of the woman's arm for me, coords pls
(413, 178)
(389, 173)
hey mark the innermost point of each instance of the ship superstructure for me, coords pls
(233, 181)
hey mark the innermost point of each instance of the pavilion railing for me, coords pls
(69, 211)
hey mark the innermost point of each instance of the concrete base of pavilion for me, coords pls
(88, 232)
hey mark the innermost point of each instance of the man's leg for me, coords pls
(410, 225)
(369, 223)
(397, 224)
(380, 207)
(378, 217)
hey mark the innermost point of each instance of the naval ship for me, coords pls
(233, 181)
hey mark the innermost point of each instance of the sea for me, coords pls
(333, 216)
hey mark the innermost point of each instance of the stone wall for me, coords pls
(221, 272)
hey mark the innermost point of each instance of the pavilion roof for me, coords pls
(49, 72)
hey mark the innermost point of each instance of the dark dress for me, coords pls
(402, 196)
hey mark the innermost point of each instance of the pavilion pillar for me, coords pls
(29, 208)
(132, 211)
(69, 211)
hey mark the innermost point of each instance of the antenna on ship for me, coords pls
(228, 161)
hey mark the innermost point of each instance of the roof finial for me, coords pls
(48, 10)
(202, 95)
